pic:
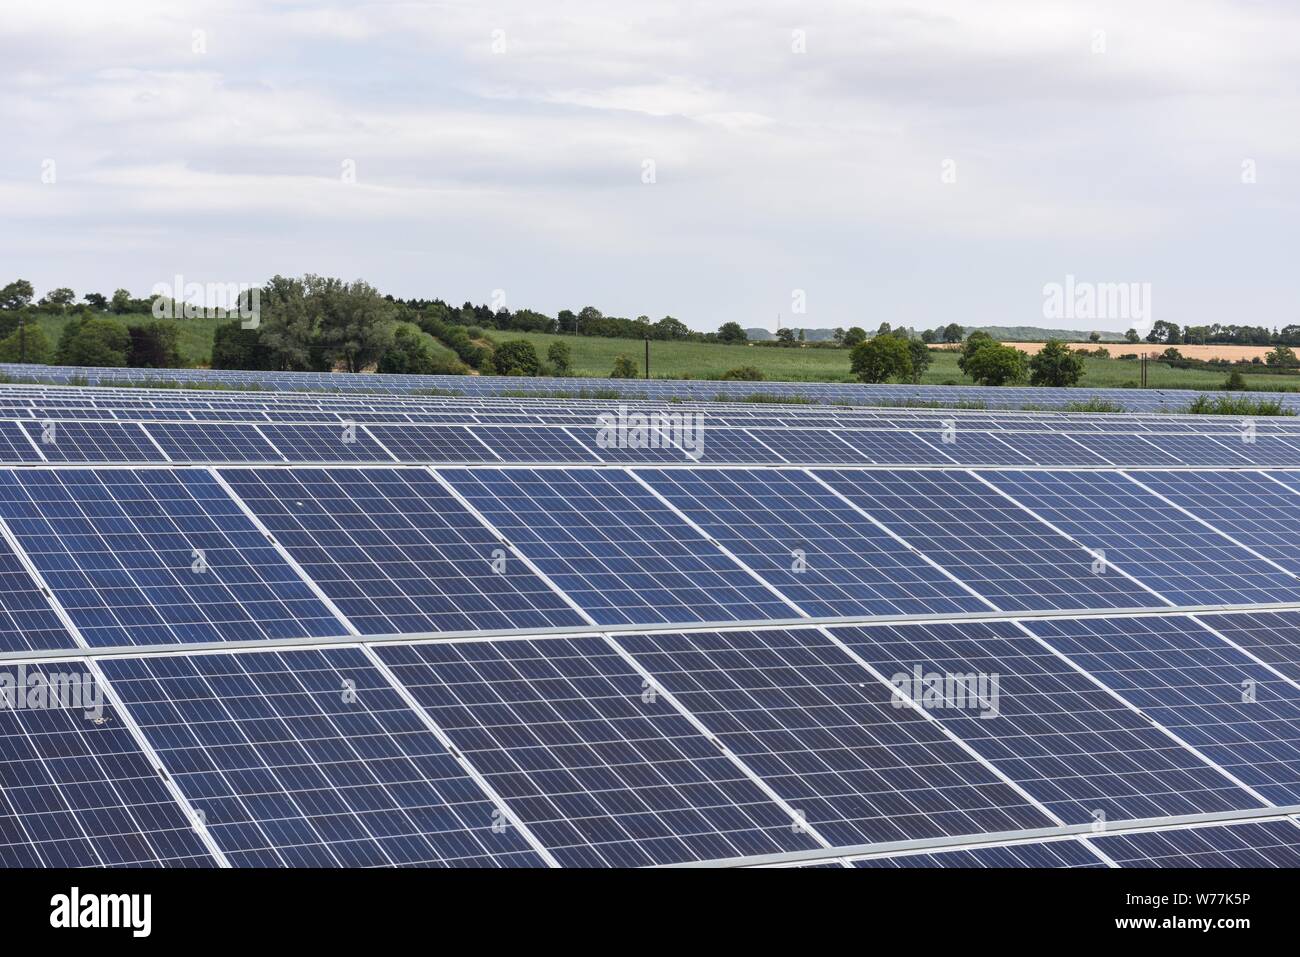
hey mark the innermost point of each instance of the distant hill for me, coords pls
(1004, 333)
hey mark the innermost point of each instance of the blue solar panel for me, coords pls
(1172, 553)
(811, 446)
(14, 446)
(817, 550)
(1127, 450)
(821, 731)
(396, 552)
(1236, 712)
(894, 447)
(423, 443)
(212, 442)
(27, 621)
(153, 556)
(614, 548)
(972, 447)
(989, 543)
(1047, 448)
(1253, 844)
(1271, 637)
(1202, 449)
(602, 773)
(312, 759)
(1067, 742)
(75, 788)
(523, 443)
(93, 442)
(1069, 852)
(325, 443)
(722, 446)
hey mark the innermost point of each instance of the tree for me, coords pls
(154, 345)
(59, 299)
(920, 355)
(952, 332)
(992, 363)
(94, 342)
(670, 328)
(1094, 337)
(1236, 383)
(855, 336)
(516, 357)
(560, 358)
(1280, 356)
(567, 321)
(234, 347)
(785, 336)
(625, 367)
(353, 322)
(881, 359)
(121, 302)
(1167, 332)
(1055, 365)
(36, 349)
(17, 294)
(412, 354)
(731, 332)
(97, 301)
(1132, 336)
(976, 339)
(1171, 355)
(286, 326)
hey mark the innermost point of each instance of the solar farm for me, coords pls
(341, 629)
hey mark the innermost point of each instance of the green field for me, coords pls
(195, 339)
(706, 360)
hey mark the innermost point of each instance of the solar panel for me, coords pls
(604, 771)
(1251, 844)
(27, 620)
(522, 443)
(1239, 714)
(312, 759)
(989, 543)
(93, 442)
(1127, 450)
(1071, 745)
(420, 443)
(345, 442)
(614, 548)
(396, 552)
(212, 442)
(971, 447)
(140, 557)
(813, 547)
(1069, 852)
(810, 447)
(895, 448)
(820, 730)
(1048, 448)
(75, 788)
(1174, 554)
(1273, 638)
(14, 446)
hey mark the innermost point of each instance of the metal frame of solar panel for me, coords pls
(361, 630)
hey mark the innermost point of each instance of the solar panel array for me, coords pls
(281, 629)
(993, 397)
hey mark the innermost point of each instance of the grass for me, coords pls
(194, 340)
(594, 356)
(1093, 405)
(1236, 405)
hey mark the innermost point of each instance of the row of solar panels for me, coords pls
(102, 441)
(644, 749)
(142, 557)
(1150, 400)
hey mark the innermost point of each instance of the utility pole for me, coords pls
(647, 357)
(22, 339)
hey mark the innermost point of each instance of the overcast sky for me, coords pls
(795, 146)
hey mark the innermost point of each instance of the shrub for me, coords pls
(743, 374)
(625, 367)
(516, 357)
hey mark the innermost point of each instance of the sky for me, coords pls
(823, 163)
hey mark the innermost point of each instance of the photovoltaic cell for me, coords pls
(1236, 712)
(141, 557)
(79, 792)
(93, 442)
(894, 447)
(1172, 553)
(1067, 742)
(324, 443)
(524, 443)
(311, 759)
(807, 542)
(212, 442)
(428, 443)
(1047, 448)
(27, 620)
(14, 446)
(1065, 853)
(1272, 637)
(396, 552)
(614, 548)
(810, 447)
(1127, 450)
(1253, 844)
(821, 731)
(987, 542)
(603, 773)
